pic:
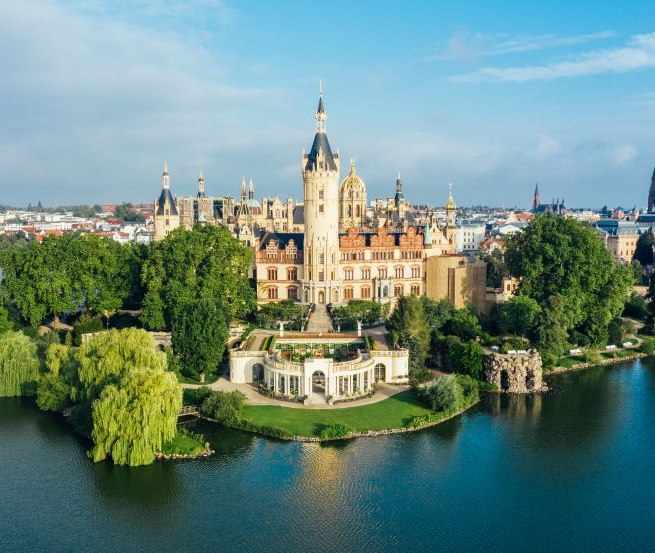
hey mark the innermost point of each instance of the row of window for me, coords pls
(348, 293)
(348, 274)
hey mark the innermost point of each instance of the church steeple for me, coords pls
(399, 190)
(251, 191)
(165, 178)
(320, 116)
(651, 194)
(535, 201)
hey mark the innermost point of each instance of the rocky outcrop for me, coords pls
(516, 372)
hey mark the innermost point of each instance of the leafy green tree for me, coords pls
(225, 407)
(519, 315)
(467, 358)
(135, 416)
(5, 324)
(464, 324)
(188, 265)
(199, 336)
(561, 257)
(126, 212)
(63, 273)
(52, 393)
(636, 307)
(409, 328)
(106, 358)
(637, 271)
(437, 313)
(551, 331)
(650, 297)
(19, 364)
(496, 267)
(644, 248)
(366, 311)
(443, 393)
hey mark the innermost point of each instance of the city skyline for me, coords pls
(489, 99)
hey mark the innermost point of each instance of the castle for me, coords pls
(334, 247)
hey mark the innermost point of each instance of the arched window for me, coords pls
(292, 273)
(272, 293)
(347, 293)
(292, 293)
(272, 273)
(400, 272)
(416, 272)
(398, 290)
(379, 372)
(382, 272)
(366, 292)
(348, 274)
(366, 273)
(416, 289)
(358, 211)
(348, 211)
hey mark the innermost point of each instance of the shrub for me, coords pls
(225, 407)
(647, 346)
(334, 431)
(195, 396)
(470, 386)
(443, 393)
(592, 357)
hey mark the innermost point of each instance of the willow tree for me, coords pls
(108, 356)
(19, 364)
(134, 417)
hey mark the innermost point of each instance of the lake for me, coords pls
(570, 471)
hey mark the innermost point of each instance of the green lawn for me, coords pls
(184, 444)
(569, 361)
(394, 412)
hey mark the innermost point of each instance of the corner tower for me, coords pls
(320, 172)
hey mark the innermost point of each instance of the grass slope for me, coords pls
(394, 412)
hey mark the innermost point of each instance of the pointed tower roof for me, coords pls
(451, 203)
(166, 198)
(321, 143)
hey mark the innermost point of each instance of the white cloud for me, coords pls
(466, 46)
(623, 154)
(546, 148)
(637, 54)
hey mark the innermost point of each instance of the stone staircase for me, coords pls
(319, 320)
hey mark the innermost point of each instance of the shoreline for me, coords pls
(581, 366)
(351, 435)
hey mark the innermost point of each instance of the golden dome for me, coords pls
(352, 182)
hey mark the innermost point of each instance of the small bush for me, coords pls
(443, 393)
(224, 407)
(647, 346)
(195, 396)
(335, 431)
(592, 357)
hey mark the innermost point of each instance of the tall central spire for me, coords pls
(320, 112)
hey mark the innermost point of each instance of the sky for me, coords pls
(492, 97)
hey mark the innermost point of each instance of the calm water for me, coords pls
(566, 472)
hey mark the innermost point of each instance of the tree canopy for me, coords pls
(189, 265)
(134, 417)
(64, 273)
(563, 265)
(199, 335)
(644, 248)
(109, 356)
(19, 364)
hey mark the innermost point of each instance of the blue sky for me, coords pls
(492, 97)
